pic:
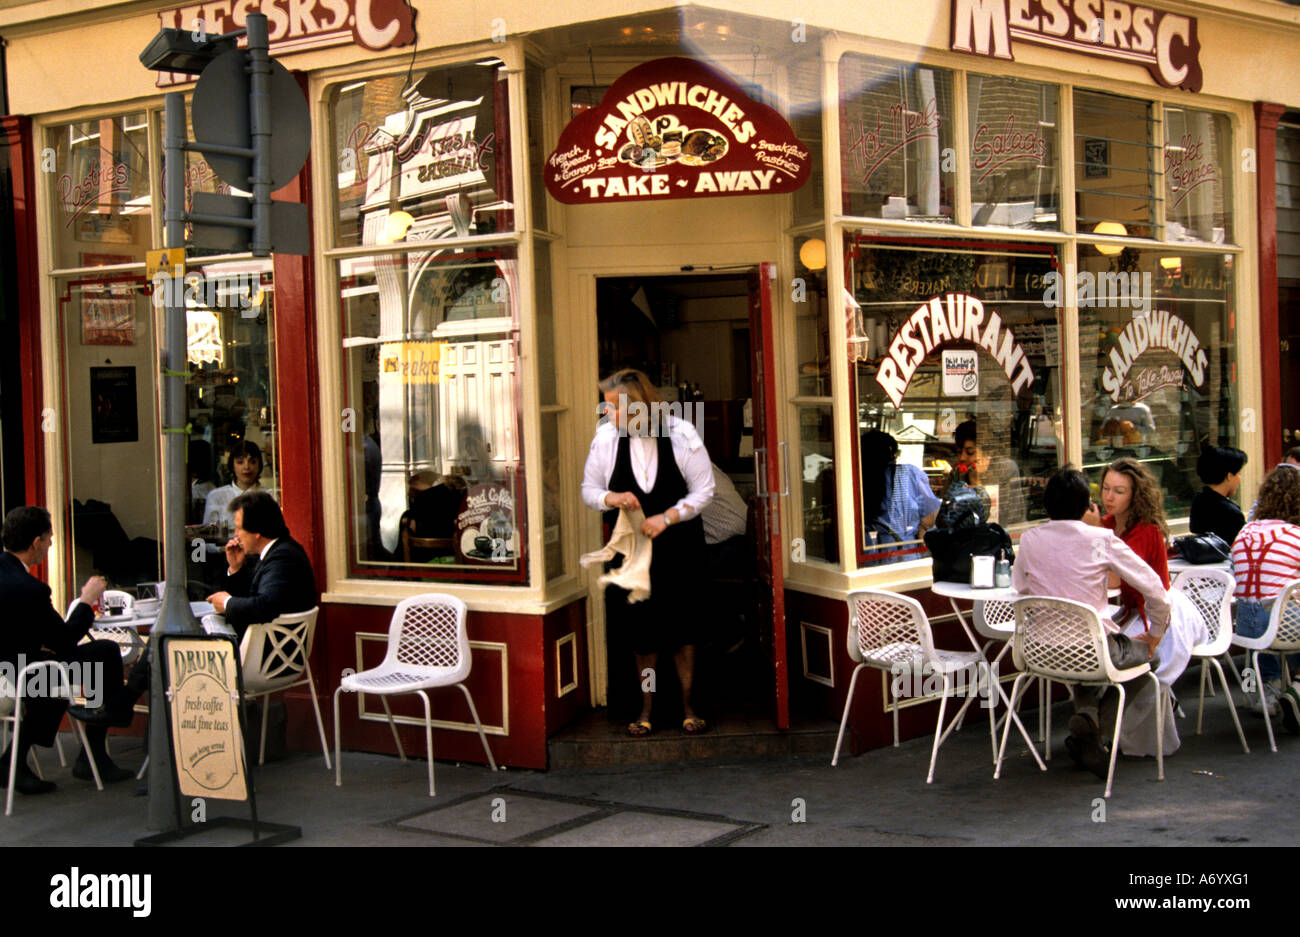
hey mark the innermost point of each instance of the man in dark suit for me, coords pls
(269, 575)
(34, 631)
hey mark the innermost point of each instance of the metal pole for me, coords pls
(259, 127)
(175, 616)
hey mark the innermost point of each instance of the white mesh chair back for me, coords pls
(428, 636)
(275, 653)
(1210, 591)
(1061, 639)
(994, 619)
(888, 628)
(1285, 620)
(128, 639)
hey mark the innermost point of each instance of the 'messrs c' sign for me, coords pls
(1165, 43)
(673, 128)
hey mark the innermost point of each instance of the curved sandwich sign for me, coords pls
(673, 128)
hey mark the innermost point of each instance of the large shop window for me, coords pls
(1115, 153)
(1198, 202)
(1158, 359)
(424, 156)
(956, 356)
(896, 140)
(435, 472)
(111, 454)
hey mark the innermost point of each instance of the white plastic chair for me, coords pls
(11, 711)
(428, 647)
(276, 656)
(1281, 637)
(1210, 591)
(890, 632)
(1064, 641)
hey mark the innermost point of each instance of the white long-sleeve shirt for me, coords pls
(688, 451)
(1070, 560)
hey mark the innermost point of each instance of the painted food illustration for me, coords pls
(702, 146)
(649, 150)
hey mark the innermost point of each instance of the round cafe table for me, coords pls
(958, 590)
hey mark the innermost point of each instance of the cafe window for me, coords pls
(422, 157)
(896, 140)
(98, 177)
(431, 389)
(431, 366)
(1114, 165)
(956, 356)
(1014, 153)
(1198, 203)
(1158, 353)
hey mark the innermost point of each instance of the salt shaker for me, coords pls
(1002, 572)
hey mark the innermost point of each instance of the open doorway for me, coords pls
(691, 336)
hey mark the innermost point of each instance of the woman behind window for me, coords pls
(244, 462)
(897, 503)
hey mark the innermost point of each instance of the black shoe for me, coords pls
(103, 716)
(27, 783)
(109, 773)
(1082, 725)
(1076, 753)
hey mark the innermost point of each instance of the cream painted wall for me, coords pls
(55, 46)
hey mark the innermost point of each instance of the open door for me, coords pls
(771, 476)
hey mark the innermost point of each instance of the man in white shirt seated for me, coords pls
(1070, 557)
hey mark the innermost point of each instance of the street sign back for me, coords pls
(220, 115)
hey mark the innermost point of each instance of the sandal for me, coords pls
(694, 725)
(639, 729)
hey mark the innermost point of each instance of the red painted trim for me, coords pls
(1270, 365)
(18, 137)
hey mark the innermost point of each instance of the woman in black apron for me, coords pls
(643, 458)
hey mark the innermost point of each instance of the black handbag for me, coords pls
(1199, 549)
(952, 549)
(962, 507)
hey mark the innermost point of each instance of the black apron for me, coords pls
(668, 619)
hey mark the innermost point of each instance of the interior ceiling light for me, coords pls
(1112, 229)
(812, 254)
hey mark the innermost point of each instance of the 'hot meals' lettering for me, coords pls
(953, 317)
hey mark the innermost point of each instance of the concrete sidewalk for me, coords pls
(1213, 794)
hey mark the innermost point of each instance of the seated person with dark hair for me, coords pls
(435, 504)
(34, 631)
(1069, 557)
(1213, 510)
(269, 575)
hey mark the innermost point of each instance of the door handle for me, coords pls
(785, 468)
(760, 475)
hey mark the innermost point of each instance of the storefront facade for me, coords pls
(1051, 221)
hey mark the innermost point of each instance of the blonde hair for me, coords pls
(632, 382)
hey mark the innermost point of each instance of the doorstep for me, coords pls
(594, 742)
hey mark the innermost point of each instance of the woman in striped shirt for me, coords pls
(1265, 557)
